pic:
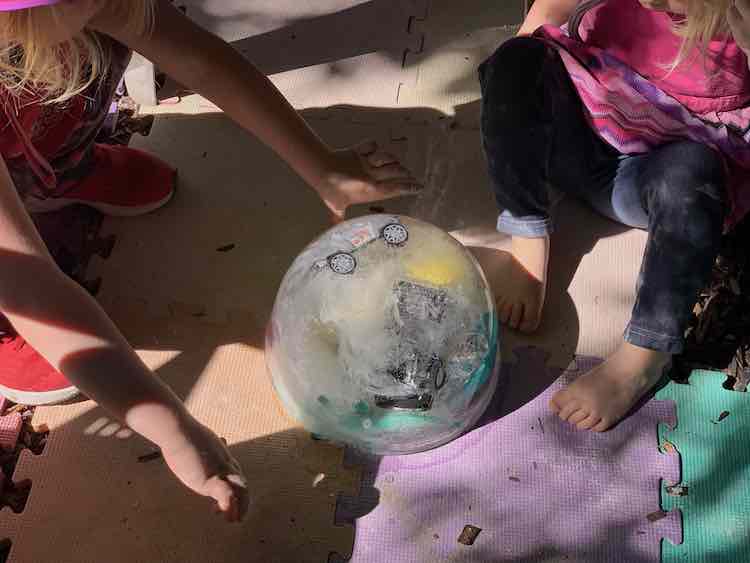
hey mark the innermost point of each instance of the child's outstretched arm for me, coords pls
(69, 329)
(210, 66)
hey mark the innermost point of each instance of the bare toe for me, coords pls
(578, 416)
(569, 409)
(515, 317)
(557, 402)
(530, 321)
(602, 426)
(504, 313)
(554, 406)
(611, 389)
(589, 422)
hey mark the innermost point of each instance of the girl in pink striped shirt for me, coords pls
(639, 108)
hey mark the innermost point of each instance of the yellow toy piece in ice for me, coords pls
(447, 268)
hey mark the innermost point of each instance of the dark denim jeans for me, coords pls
(536, 136)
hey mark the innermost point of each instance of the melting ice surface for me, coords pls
(384, 336)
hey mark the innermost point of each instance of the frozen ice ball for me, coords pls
(384, 336)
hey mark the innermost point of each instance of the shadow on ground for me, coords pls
(294, 478)
(299, 38)
(282, 466)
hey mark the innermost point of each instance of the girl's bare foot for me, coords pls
(599, 399)
(520, 296)
(518, 279)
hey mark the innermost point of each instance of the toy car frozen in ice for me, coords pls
(393, 234)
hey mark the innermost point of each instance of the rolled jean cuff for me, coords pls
(531, 226)
(651, 340)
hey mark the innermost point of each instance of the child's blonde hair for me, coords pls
(704, 21)
(58, 72)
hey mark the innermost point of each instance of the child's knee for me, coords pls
(689, 189)
(690, 174)
(703, 165)
(513, 68)
(513, 84)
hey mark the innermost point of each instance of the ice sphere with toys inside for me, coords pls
(384, 336)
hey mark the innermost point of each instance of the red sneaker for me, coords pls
(27, 378)
(124, 182)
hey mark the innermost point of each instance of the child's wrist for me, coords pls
(177, 440)
(187, 437)
(320, 173)
(325, 179)
(166, 425)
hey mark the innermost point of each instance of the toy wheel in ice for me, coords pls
(342, 263)
(437, 372)
(395, 234)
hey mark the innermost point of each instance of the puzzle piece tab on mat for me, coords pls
(712, 439)
(301, 31)
(72, 237)
(16, 436)
(363, 64)
(455, 41)
(539, 490)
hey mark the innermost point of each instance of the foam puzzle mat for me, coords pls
(100, 476)
(373, 39)
(522, 487)
(714, 494)
(207, 356)
(538, 490)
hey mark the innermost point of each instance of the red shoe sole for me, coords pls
(55, 204)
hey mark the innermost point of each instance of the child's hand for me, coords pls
(203, 463)
(364, 174)
(738, 16)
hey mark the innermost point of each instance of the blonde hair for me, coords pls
(704, 21)
(58, 72)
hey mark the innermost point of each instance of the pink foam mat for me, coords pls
(538, 489)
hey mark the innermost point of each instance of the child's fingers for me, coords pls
(390, 172)
(231, 496)
(336, 217)
(366, 148)
(241, 495)
(220, 491)
(398, 187)
(381, 158)
(232, 513)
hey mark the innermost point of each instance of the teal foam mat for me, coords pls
(713, 438)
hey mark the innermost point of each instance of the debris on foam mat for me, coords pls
(537, 489)
(719, 334)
